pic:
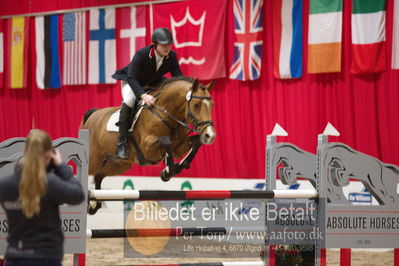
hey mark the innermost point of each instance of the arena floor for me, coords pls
(110, 252)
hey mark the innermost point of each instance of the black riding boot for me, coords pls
(124, 125)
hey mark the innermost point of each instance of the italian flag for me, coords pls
(325, 35)
(368, 36)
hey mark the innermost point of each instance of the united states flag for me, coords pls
(248, 39)
(74, 67)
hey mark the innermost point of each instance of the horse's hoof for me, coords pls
(165, 176)
(186, 165)
(177, 168)
(91, 210)
(93, 207)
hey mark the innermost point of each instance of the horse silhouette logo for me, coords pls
(342, 163)
(299, 163)
(295, 163)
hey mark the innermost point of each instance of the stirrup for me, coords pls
(121, 151)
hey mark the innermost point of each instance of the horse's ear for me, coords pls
(209, 86)
(195, 85)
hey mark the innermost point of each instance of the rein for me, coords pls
(179, 123)
(154, 109)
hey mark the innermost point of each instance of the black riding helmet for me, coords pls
(162, 36)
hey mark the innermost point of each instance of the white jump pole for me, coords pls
(116, 195)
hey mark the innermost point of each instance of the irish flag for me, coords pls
(325, 35)
(368, 36)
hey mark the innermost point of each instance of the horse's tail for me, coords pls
(87, 115)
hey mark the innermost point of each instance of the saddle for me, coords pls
(114, 118)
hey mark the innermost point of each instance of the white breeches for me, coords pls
(127, 94)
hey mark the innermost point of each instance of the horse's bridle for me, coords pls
(197, 124)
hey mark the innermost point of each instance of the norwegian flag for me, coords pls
(248, 39)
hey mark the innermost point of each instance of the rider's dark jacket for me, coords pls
(141, 71)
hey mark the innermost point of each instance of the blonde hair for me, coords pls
(32, 186)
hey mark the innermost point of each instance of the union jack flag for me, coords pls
(248, 39)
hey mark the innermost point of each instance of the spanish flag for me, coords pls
(17, 52)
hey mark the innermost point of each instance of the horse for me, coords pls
(177, 125)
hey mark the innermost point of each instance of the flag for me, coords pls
(74, 39)
(132, 32)
(102, 47)
(325, 35)
(287, 38)
(1, 53)
(368, 36)
(248, 30)
(198, 28)
(395, 40)
(47, 56)
(17, 53)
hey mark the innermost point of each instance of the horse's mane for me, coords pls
(185, 78)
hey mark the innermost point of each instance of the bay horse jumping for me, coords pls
(162, 132)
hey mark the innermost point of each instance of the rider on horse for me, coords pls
(146, 70)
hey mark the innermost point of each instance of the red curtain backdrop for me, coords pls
(364, 108)
(26, 6)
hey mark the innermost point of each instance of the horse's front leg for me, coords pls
(186, 161)
(168, 172)
(94, 205)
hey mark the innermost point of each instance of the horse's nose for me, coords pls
(209, 136)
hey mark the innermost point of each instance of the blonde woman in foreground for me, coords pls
(31, 199)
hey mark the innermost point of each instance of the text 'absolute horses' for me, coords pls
(177, 125)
